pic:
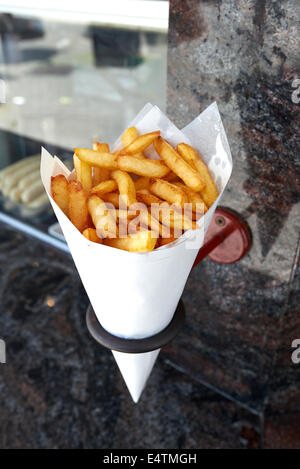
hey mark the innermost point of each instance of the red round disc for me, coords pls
(236, 244)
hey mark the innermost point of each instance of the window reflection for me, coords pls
(65, 83)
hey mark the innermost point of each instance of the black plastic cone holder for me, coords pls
(147, 344)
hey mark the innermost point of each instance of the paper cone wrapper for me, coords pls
(134, 295)
(135, 369)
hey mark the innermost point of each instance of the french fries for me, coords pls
(198, 204)
(59, 189)
(78, 212)
(173, 218)
(140, 143)
(143, 166)
(103, 218)
(77, 166)
(112, 198)
(104, 187)
(147, 198)
(178, 165)
(83, 173)
(126, 187)
(129, 136)
(171, 177)
(168, 240)
(96, 158)
(109, 207)
(100, 174)
(209, 192)
(86, 176)
(142, 183)
(101, 147)
(169, 192)
(141, 241)
(145, 220)
(124, 214)
(91, 235)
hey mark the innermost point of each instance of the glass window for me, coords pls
(70, 76)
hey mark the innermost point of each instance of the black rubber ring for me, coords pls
(148, 344)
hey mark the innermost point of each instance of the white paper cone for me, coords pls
(135, 369)
(134, 295)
